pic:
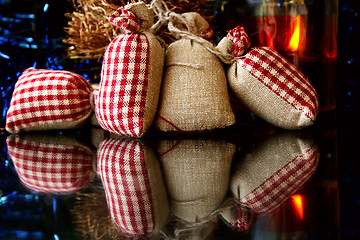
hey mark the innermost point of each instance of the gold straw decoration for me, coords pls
(92, 218)
(89, 32)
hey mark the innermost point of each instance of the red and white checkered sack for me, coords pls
(268, 84)
(282, 165)
(51, 165)
(49, 99)
(133, 185)
(239, 216)
(131, 74)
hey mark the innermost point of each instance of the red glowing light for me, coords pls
(295, 38)
(298, 201)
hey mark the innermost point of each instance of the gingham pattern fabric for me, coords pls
(275, 72)
(122, 168)
(125, 20)
(276, 189)
(245, 218)
(208, 34)
(48, 97)
(50, 167)
(240, 39)
(283, 78)
(121, 101)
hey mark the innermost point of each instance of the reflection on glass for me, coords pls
(54, 164)
(197, 178)
(134, 187)
(270, 174)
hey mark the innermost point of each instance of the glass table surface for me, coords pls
(242, 182)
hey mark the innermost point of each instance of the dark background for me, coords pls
(31, 34)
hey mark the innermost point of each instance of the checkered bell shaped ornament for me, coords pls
(273, 171)
(133, 184)
(51, 164)
(49, 99)
(268, 84)
(131, 74)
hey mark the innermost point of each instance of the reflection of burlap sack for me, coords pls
(131, 74)
(267, 176)
(48, 163)
(274, 170)
(194, 93)
(196, 174)
(268, 84)
(133, 184)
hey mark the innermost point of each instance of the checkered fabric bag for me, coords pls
(194, 94)
(240, 217)
(133, 184)
(49, 99)
(131, 74)
(196, 173)
(282, 165)
(51, 164)
(268, 84)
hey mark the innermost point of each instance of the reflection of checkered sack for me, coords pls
(273, 171)
(196, 174)
(131, 74)
(268, 84)
(194, 93)
(49, 99)
(133, 184)
(51, 164)
(239, 217)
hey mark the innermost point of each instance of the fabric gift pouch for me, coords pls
(266, 177)
(49, 99)
(268, 84)
(274, 170)
(52, 164)
(131, 74)
(134, 186)
(194, 95)
(196, 173)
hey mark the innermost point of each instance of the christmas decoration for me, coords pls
(194, 93)
(134, 187)
(268, 84)
(51, 163)
(196, 173)
(131, 74)
(49, 99)
(89, 31)
(290, 160)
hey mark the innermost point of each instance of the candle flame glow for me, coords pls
(297, 200)
(295, 38)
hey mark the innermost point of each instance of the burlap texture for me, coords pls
(194, 92)
(261, 99)
(196, 174)
(156, 66)
(263, 102)
(268, 159)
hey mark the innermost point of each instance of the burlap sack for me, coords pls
(196, 174)
(131, 74)
(134, 186)
(269, 85)
(194, 93)
(49, 99)
(273, 171)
